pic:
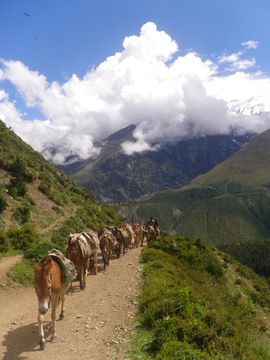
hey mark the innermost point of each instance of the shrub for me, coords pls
(214, 268)
(59, 240)
(4, 244)
(17, 187)
(3, 202)
(19, 169)
(180, 350)
(38, 250)
(22, 237)
(22, 214)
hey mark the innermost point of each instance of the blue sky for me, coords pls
(73, 72)
(73, 35)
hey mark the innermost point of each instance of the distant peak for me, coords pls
(122, 134)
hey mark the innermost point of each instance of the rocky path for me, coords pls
(97, 324)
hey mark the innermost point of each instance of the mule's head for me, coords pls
(43, 283)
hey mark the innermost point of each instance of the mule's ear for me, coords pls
(48, 263)
(36, 267)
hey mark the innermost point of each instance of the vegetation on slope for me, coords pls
(39, 205)
(197, 303)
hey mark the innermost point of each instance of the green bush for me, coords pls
(22, 214)
(214, 268)
(22, 237)
(3, 202)
(17, 187)
(181, 351)
(19, 169)
(59, 239)
(4, 244)
(22, 273)
(38, 250)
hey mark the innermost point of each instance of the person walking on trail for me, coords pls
(150, 222)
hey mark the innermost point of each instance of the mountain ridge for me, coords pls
(117, 177)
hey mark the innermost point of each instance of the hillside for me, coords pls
(198, 303)
(249, 167)
(39, 202)
(229, 206)
(116, 177)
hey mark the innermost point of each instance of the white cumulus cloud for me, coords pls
(250, 44)
(149, 84)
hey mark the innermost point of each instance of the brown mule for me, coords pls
(50, 290)
(138, 231)
(82, 249)
(152, 233)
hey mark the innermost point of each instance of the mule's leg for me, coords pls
(69, 290)
(95, 263)
(61, 316)
(83, 273)
(41, 332)
(81, 277)
(54, 306)
(104, 260)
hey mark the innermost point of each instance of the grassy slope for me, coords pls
(250, 166)
(198, 303)
(50, 205)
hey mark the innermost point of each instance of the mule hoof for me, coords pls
(53, 339)
(61, 316)
(41, 345)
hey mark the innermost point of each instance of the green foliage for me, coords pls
(255, 254)
(22, 237)
(194, 310)
(4, 244)
(180, 350)
(3, 202)
(22, 214)
(55, 193)
(192, 251)
(38, 250)
(19, 170)
(22, 273)
(17, 187)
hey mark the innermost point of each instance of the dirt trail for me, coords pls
(97, 320)
(6, 264)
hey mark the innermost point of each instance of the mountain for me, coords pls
(229, 206)
(39, 203)
(117, 177)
